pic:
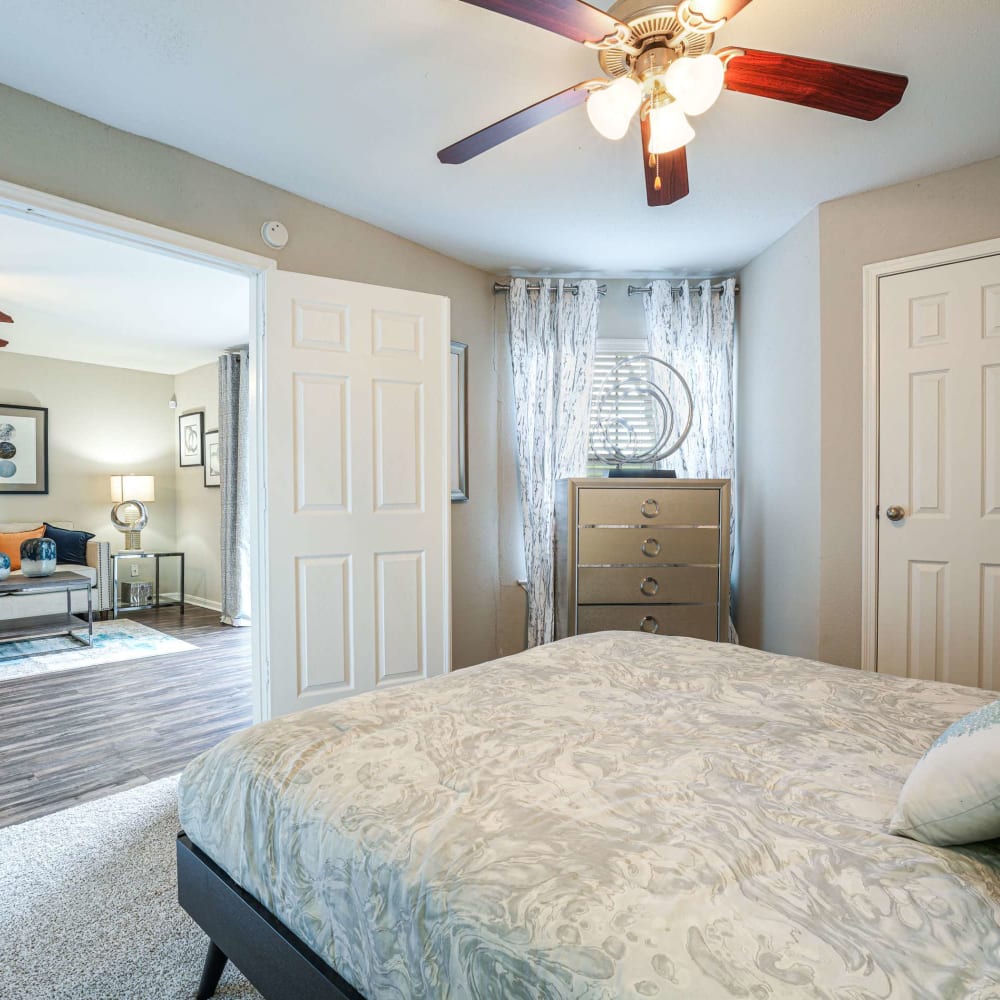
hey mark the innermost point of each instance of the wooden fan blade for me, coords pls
(673, 172)
(4, 318)
(717, 10)
(4, 343)
(572, 18)
(486, 138)
(845, 90)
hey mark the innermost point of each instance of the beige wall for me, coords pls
(54, 150)
(198, 511)
(102, 421)
(778, 445)
(944, 210)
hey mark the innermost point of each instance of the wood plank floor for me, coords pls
(81, 734)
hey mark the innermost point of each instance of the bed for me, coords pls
(612, 815)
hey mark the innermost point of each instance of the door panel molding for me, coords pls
(871, 275)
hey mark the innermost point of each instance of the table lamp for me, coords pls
(130, 494)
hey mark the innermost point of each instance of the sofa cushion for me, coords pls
(71, 546)
(10, 544)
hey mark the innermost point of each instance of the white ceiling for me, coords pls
(347, 102)
(91, 300)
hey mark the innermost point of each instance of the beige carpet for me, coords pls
(88, 906)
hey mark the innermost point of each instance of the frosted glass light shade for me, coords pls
(141, 488)
(668, 129)
(696, 83)
(611, 109)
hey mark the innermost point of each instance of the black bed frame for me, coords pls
(279, 964)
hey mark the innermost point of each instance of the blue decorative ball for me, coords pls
(4, 565)
(38, 557)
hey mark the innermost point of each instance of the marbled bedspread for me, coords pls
(614, 815)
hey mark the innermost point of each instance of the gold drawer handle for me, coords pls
(649, 620)
(648, 544)
(653, 505)
(649, 586)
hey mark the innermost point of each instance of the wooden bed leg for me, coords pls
(215, 964)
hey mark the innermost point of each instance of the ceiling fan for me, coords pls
(658, 62)
(4, 318)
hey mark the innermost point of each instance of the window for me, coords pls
(619, 418)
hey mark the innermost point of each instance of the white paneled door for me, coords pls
(358, 491)
(939, 473)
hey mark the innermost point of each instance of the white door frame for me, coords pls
(870, 456)
(65, 214)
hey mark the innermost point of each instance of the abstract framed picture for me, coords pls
(191, 439)
(213, 471)
(459, 422)
(24, 449)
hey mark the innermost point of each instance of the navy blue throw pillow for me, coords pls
(71, 546)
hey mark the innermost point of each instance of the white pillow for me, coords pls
(952, 796)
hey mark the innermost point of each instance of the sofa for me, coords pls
(98, 570)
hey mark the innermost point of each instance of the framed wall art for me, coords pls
(24, 449)
(191, 439)
(213, 471)
(459, 422)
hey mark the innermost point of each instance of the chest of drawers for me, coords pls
(647, 554)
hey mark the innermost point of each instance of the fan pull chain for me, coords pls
(656, 183)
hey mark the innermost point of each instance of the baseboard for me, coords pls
(198, 602)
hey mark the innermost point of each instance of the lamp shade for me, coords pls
(611, 108)
(141, 488)
(668, 129)
(697, 82)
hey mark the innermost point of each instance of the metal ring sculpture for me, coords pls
(130, 515)
(615, 441)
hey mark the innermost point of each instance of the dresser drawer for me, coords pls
(649, 506)
(697, 621)
(652, 546)
(648, 585)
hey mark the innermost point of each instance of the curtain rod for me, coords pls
(499, 287)
(646, 289)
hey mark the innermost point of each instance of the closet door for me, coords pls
(939, 473)
(357, 505)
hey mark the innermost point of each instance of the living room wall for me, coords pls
(102, 421)
(198, 511)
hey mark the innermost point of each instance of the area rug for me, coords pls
(114, 641)
(89, 909)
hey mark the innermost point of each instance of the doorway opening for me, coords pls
(111, 385)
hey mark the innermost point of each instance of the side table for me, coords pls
(117, 558)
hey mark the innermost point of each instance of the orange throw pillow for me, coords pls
(10, 544)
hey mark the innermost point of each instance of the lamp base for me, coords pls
(130, 517)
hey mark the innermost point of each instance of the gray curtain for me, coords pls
(693, 328)
(234, 462)
(553, 334)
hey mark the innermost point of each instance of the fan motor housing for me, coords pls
(652, 28)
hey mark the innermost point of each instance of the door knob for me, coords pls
(895, 513)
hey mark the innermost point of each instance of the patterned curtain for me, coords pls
(553, 334)
(234, 463)
(693, 328)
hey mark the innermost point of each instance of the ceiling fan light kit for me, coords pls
(658, 62)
